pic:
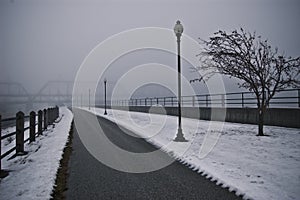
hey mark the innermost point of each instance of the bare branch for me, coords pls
(248, 57)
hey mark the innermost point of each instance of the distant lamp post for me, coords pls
(178, 29)
(105, 81)
(89, 99)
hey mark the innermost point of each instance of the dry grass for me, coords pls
(62, 172)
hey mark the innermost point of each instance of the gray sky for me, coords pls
(45, 40)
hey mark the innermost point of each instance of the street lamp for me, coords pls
(178, 29)
(89, 99)
(105, 81)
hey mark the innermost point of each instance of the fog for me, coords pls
(47, 40)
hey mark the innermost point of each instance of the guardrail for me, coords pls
(41, 120)
(283, 98)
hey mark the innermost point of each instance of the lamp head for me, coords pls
(178, 29)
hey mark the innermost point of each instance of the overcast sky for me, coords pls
(45, 40)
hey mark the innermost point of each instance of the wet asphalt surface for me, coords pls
(90, 179)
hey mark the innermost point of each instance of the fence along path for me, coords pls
(41, 119)
(283, 98)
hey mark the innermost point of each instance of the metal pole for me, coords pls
(179, 136)
(89, 99)
(105, 113)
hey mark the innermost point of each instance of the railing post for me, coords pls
(242, 100)
(223, 100)
(172, 101)
(157, 100)
(49, 116)
(193, 101)
(40, 122)
(0, 143)
(164, 101)
(145, 101)
(299, 98)
(266, 96)
(45, 119)
(57, 112)
(52, 115)
(206, 100)
(32, 126)
(20, 132)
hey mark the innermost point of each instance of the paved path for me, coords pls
(90, 179)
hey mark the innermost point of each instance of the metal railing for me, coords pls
(283, 98)
(41, 121)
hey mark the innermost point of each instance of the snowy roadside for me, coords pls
(33, 176)
(258, 167)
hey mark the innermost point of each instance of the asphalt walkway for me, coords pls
(90, 179)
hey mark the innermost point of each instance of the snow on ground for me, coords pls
(33, 176)
(259, 167)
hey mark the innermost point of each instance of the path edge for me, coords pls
(60, 186)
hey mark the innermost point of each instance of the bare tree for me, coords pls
(245, 56)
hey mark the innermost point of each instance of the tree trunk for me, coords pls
(261, 113)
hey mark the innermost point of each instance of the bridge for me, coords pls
(52, 92)
(60, 93)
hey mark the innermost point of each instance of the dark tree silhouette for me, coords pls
(245, 56)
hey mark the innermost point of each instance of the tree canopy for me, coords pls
(243, 55)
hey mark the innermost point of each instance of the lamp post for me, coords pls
(89, 99)
(178, 29)
(105, 81)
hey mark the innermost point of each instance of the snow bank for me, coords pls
(259, 167)
(33, 176)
